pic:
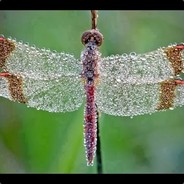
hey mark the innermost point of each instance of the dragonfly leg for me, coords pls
(4, 74)
(179, 81)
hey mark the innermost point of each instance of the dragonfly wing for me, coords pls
(40, 78)
(24, 60)
(61, 95)
(124, 99)
(140, 84)
(150, 67)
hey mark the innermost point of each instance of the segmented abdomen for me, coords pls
(90, 127)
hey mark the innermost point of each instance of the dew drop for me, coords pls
(125, 55)
(132, 54)
(118, 80)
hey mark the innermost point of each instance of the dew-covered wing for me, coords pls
(21, 59)
(61, 95)
(154, 66)
(40, 78)
(139, 84)
(126, 99)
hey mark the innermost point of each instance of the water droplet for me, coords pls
(124, 55)
(132, 54)
(118, 80)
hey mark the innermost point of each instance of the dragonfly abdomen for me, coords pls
(90, 127)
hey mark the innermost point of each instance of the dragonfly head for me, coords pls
(92, 36)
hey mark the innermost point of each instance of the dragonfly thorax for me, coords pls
(90, 57)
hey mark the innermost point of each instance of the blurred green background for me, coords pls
(33, 141)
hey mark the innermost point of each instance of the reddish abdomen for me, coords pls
(90, 127)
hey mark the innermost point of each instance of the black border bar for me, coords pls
(91, 4)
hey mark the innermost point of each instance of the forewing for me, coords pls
(150, 67)
(23, 60)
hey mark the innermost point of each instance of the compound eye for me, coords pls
(92, 36)
(86, 36)
(98, 37)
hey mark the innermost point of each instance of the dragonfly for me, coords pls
(119, 85)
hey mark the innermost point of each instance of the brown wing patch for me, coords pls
(6, 47)
(15, 88)
(174, 56)
(167, 94)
